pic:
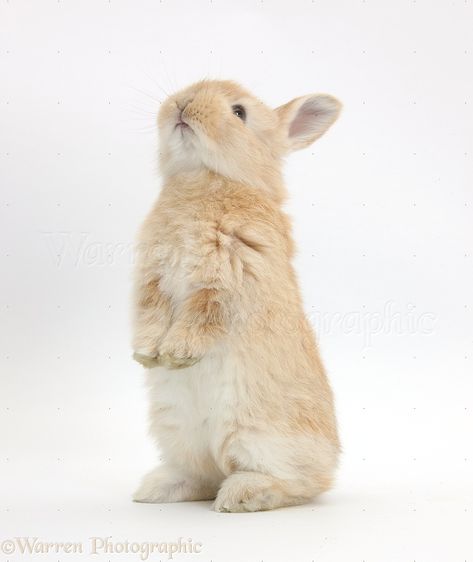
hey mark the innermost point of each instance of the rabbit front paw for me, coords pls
(180, 352)
(148, 361)
(167, 359)
(171, 361)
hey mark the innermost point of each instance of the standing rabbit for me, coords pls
(240, 404)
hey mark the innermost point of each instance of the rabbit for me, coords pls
(240, 406)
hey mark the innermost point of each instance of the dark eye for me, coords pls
(239, 111)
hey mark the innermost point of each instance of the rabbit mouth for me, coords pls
(183, 126)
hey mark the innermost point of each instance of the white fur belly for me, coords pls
(193, 410)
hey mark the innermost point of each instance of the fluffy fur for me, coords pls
(240, 405)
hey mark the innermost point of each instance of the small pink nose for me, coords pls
(180, 122)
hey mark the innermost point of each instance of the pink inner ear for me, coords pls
(305, 122)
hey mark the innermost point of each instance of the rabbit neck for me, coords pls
(271, 184)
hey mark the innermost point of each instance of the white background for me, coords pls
(382, 211)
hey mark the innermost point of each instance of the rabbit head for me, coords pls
(220, 126)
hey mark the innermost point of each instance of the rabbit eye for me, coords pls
(239, 111)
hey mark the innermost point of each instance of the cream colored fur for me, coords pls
(240, 405)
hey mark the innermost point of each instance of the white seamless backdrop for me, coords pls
(382, 210)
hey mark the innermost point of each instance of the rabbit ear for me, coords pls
(305, 119)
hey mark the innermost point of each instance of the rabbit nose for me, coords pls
(183, 104)
(181, 108)
(181, 122)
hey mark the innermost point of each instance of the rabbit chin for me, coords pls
(181, 151)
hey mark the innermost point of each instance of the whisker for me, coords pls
(156, 100)
(163, 90)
